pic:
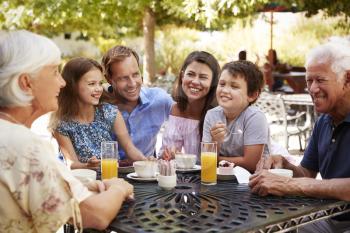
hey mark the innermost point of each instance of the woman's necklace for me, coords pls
(9, 117)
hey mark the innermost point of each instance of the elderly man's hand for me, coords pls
(272, 161)
(265, 183)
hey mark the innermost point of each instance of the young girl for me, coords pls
(240, 129)
(194, 95)
(81, 123)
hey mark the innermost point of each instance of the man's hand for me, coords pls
(272, 161)
(218, 132)
(265, 183)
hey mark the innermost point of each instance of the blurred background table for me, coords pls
(298, 99)
(296, 80)
(225, 207)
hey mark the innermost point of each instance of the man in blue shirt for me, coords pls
(328, 82)
(144, 109)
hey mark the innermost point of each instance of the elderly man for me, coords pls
(328, 82)
(144, 109)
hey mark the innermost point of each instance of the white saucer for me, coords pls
(133, 176)
(127, 169)
(195, 168)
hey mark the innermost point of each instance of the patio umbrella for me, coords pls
(276, 7)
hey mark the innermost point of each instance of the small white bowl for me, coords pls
(282, 172)
(185, 161)
(166, 182)
(84, 175)
(145, 169)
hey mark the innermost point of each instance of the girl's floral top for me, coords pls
(87, 138)
(38, 193)
(183, 134)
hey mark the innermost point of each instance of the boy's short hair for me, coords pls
(249, 72)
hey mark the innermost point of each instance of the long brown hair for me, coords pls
(210, 100)
(72, 72)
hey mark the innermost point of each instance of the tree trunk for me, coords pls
(149, 69)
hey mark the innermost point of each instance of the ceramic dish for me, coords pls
(133, 176)
(225, 177)
(195, 168)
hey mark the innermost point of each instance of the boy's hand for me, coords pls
(218, 132)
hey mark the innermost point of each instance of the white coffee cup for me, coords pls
(145, 169)
(166, 182)
(84, 175)
(185, 161)
(282, 172)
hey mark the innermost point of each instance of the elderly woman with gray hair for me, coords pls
(38, 193)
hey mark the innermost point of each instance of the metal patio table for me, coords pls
(225, 207)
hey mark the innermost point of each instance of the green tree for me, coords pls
(108, 18)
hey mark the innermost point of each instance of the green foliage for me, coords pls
(108, 22)
(172, 46)
(52, 17)
(214, 14)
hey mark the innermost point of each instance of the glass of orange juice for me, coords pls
(109, 159)
(208, 162)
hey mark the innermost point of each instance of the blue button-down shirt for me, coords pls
(328, 151)
(145, 121)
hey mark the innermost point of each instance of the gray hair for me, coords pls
(22, 52)
(335, 52)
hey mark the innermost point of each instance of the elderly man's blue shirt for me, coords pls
(328, 150)
(145, 121)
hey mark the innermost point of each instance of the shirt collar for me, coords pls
(329, 118)
(144, 100)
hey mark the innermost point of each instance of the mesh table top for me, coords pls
(225, 207)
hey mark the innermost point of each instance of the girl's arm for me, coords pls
(124, 139)
(69, 154)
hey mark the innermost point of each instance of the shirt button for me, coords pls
(333, 140)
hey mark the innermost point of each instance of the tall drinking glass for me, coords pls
(109, 159)
(208, 162)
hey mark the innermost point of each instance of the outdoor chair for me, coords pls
(284, 122)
